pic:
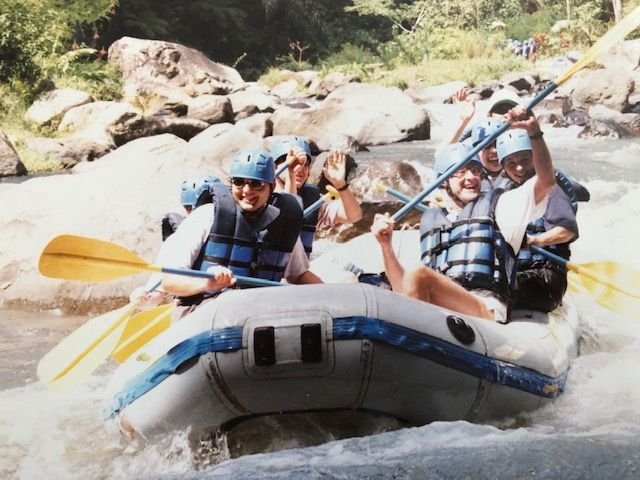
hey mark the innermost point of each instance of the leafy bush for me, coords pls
(85, 70)
(274, 76)
(28, 33)
(350, 54)
(526, 26)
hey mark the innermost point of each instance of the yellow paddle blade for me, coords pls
(608, 40)
(613, 297)
(77, 356)
(141, 328)
(74, 257)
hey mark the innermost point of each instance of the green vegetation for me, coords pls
(63, 43)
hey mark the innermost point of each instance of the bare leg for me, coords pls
(430, 286)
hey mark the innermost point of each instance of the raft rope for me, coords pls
(350, 328)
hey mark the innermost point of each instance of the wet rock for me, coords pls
(10, 163)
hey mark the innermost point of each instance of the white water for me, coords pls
(592, 431)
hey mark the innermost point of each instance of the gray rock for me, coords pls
(369, 114)
(10, 163)
(156, 71)
(211, 109)
(605, 87)
(54, 104)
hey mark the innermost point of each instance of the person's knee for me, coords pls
(416, 282)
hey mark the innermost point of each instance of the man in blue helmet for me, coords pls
(295, 150)
(194, 191)
(468, 246)
(541, 284)
(246, 230)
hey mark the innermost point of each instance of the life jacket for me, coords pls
(567, 187)
(309, 195)
(261, 250)
(471, 249)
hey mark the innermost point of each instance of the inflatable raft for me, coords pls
(340, 347)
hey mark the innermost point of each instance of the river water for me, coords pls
(592, 431)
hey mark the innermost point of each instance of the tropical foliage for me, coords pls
(256, 35)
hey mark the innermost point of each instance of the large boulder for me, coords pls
(607, 122)
(120, 198)
(218, 144)
(155, 71)
(622, 57)
(610, 88)
(10, 163)
(371, 115)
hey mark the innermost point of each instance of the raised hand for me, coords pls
(335, 169)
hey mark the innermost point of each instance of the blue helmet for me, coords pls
(193, 188)
(253, 164)
(512, 141)
(484, 129)
(450, 155)
(283, 143)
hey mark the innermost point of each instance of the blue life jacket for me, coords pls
(262, 250)
(470, 250)
(309, 195)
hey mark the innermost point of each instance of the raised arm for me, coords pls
(382, 229)
(519, 117)
(335, 172)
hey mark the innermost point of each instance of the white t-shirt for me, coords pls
(516, 209)
(328, 214)
(181, 249)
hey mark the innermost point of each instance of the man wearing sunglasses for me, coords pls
(468, 243)
(247, 230)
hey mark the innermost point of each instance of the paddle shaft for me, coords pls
(318, 203)
(249, 281)
(405, 198)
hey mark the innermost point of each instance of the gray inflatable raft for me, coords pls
(340, 347)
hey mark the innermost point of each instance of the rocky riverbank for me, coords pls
(182, 113)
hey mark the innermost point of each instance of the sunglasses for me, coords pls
(253, 184)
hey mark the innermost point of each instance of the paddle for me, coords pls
(73, 257)
(399, 195)
(289, 160)
(590, 276)
(141, 328)
(85, 349)
(331, 194)
(594, 278)
(615, 34)
(82, 258)
(78, 355)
